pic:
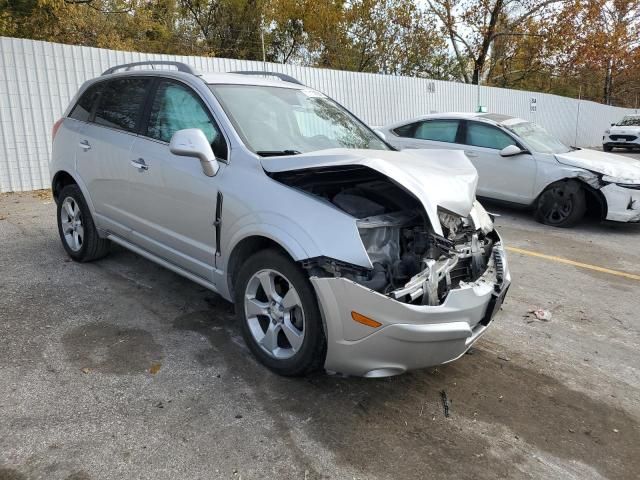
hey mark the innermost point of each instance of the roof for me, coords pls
(239, 79)
(489, 117)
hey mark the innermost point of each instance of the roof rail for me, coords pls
(282, 76)
(182, 67)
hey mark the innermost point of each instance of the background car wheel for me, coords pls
(562, 204)
(607, 148)
(279, 315)
(76, 228)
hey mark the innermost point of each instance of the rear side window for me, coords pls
(121, 103)
(487, 136)
(82, 110)
(176, 107)
(437, 130)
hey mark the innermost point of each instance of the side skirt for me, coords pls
(162, 262)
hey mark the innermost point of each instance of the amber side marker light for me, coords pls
(358, 317)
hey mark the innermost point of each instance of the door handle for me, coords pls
(470, 154)
(140, 164)
(85, 145)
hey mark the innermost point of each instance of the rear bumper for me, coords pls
(411, 336)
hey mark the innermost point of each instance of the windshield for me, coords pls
(284, 121)
(537, 138)
(629, 122)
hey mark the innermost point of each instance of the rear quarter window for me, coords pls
(82, 109)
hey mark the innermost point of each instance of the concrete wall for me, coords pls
(37, 80)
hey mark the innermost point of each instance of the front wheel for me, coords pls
(279, 315)
(562, 204)
(607, 148)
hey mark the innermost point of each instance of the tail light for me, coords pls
(55, 128)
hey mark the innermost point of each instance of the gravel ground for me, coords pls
(121, 369)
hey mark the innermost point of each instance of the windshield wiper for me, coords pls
(277, 153)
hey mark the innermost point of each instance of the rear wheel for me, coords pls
(279, 315)
(76, 228)
(562, 204)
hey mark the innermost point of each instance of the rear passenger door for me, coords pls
(172, 201)
(436, 133)
(504, 178)
(104, 149)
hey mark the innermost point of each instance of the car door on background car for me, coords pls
(427, 134)
(511, 178)
(104, 148)
(173, 201)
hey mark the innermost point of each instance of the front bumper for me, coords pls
(623, 204)
(411, 336)
(618, 141)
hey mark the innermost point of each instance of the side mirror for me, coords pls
(380, 134)
(192, 142)
(510, 151)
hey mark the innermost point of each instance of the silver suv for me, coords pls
(338, 251)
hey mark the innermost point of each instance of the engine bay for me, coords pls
(411, 262)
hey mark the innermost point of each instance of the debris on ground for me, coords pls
(539, 314)
(503, 358)
(85, 370)
(154, 368)
(445, 403)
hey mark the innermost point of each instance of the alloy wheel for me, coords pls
(273, 311)
(71, 222)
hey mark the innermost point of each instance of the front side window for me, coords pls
(82, 110)
(121, 103)
(437, 130)
(285, 121)
(176, 107)
(487, 136)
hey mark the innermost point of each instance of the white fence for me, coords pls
(37, 80)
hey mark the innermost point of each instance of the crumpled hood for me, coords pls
(444, 178)
(619, 167)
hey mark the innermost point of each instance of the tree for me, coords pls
(473, 26)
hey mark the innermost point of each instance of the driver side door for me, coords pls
(173, 203)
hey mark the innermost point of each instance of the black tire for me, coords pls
(607, 148)
(561, 204)
(92, 246)
(311, 355)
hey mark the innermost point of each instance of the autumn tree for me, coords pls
(473, 27)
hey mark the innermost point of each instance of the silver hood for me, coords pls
(618, 168)
(438, 178)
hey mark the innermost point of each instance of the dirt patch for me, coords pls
(10, 474)
(107, 348)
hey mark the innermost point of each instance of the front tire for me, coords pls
(76, 228)
(607, 148)
(278, 313)
(562, 204)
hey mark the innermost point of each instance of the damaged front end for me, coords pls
(413, 264)
(411, 261)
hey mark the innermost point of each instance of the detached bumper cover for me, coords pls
(623, 204)
(411, 336)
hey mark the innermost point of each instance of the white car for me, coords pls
(624, 134)
(520, 163)
(338, 251)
